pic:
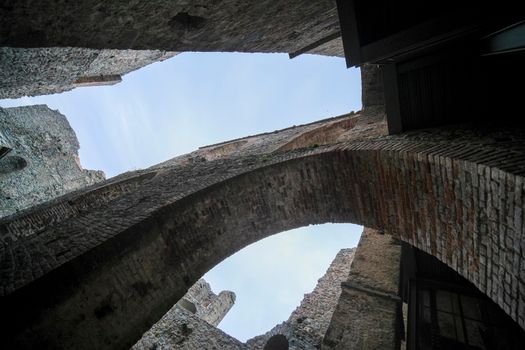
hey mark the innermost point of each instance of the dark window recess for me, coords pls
(448, 312)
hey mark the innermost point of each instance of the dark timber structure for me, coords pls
(443, 62)
(96, 268)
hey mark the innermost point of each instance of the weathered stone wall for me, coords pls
(210, 307)
(368, 311)
(450, 192)
(43, 163)
(180, 25)
(49, 47)
(181, 328)
(40, 71)
(308, 323)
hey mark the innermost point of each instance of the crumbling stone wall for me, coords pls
(49, 47)
(181, 328)
(43, 163)
(40, 71)
(367, 315)
(210, 307)
(308, 323)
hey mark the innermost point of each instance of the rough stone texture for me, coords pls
(40, 71)
(454, 192)
(179, 25)
(182, 329)
(210, 307)
(44, 161)
(37, 56)
(367, 312)
(308, 323)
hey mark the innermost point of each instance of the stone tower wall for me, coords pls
(210, 307)
(43, 163)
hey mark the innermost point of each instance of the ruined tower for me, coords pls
(43, 161)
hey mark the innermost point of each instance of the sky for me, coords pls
(195, 99)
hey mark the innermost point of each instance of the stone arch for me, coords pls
(449, 196)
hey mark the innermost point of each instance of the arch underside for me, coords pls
(113, 270)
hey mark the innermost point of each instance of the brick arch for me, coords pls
(110, 273)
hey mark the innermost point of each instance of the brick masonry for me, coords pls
(453, 192)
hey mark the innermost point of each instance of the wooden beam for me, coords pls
(392, 106)
(349, 32)
(316, 44)
(420, 37)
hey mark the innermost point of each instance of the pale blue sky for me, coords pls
(195, 99)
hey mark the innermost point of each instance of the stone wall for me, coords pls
(183, 328)
(178, 25)
(43, 163)
(308, 323)
(452, 192)
(210, 307)
(48, 47)
(367, 315)
(40, 71)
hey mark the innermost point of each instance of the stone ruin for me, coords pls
(433, 165)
